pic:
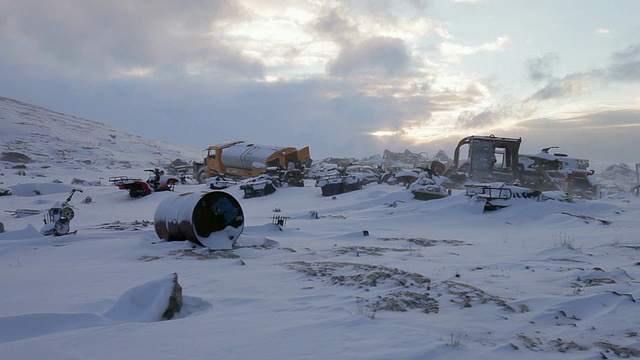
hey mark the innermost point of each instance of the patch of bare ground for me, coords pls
(587, 219)
(621, 351)
(368, 250)
(203, 254)
(408, 291)
(426, 242)
(537, 344)
(147, 258)
(135, 225)
(466, 295)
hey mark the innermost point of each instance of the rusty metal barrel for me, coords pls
(211, 219)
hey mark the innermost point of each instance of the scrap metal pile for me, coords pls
(496, 174)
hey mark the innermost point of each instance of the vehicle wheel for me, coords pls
(67, 213)
(136, 190)
(202, 177)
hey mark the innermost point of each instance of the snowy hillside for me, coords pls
(50, 139)
(368, 274)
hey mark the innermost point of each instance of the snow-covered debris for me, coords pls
(153, 301)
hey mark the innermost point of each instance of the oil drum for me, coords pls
(211, 219)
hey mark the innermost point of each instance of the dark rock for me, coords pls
(76, 181)
(15, 157)
(175, 300)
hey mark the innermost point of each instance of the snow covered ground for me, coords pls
(370, 274)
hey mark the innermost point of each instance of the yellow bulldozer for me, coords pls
(239, 160)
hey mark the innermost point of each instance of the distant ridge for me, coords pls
(51, 138)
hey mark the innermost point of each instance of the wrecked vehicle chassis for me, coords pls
(496, 159)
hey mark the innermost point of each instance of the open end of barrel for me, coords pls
(218, 220)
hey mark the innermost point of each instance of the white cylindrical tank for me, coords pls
(242, 156)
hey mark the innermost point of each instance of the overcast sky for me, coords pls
(347, 78)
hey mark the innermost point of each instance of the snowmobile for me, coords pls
(338, 184)
(402, 177)
(366, 173)
(429, 186)
(291, 176)
(272, 178)
(58, 218)
(219, 182)
(258, 186)
(157, 181)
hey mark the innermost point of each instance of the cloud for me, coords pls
(625, 65)
(507, 111)
(468, 119)
(388, 7)
(347, 23)
(602, 136)
(540, 68)
(332, 116)
(570, 85)
(337, 26)
(468, 94)
(374, 56)
(108, 36)
(329, 73)
(454, 52)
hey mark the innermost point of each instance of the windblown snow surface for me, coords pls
(370, 274)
